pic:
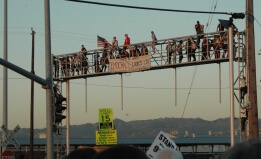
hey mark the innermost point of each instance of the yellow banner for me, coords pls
(106, 137)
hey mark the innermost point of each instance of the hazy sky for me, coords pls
(147, 95)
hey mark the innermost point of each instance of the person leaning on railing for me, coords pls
(193, 48)
(179, 50)
(114, 47)
(205, 49)
(75, 64)
(125, 53)
(83, 60)
(169, 51)
(136, 50)
(96, 57)
(144, 50)
(104, 61)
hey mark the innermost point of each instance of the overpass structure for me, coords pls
(212, 48)
(72, 65)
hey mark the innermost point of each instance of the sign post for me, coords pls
(7, 154)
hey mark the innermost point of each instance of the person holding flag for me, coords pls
(102, 42)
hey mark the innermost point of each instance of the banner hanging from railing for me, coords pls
(131, 64)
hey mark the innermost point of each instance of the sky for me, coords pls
(147, 95)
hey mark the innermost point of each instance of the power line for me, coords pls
(211, 15)
(135, 87)
(90, 38)
(157, 88)
(257, 21)
(189, 90)
(147, 8)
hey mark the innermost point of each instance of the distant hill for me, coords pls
(148, 128)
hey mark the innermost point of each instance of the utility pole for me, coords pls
(5, 92)
(49, 79)
(32, 102)
(251, 72)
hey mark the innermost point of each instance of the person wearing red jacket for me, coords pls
(127, 41)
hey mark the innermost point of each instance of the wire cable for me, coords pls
(146, 8)
(189, 90)
(209, 17)
(133, 87)
(257, 21)
(136, 87)
(215, 6)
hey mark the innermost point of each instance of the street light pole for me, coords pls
(32, 102)
(49, 79)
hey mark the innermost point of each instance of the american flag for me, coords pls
(103, 42)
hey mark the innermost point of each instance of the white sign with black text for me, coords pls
(161, 141)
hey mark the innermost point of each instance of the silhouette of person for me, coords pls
(169, 153)
(84, 153)
(246, 150)
(169, 51)
(96, 57)
(220, 27)
(198, 31)
(243, 119)
(154, 41)
(143, 50)
(179, 50)
(193, 49)
(243, 88)
(121, 152)
(114, 45)
(205, 49)
(83, 60)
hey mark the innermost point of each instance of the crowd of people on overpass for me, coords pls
(199, 47)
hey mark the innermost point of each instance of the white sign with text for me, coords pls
(130, 64)
(161, 142)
